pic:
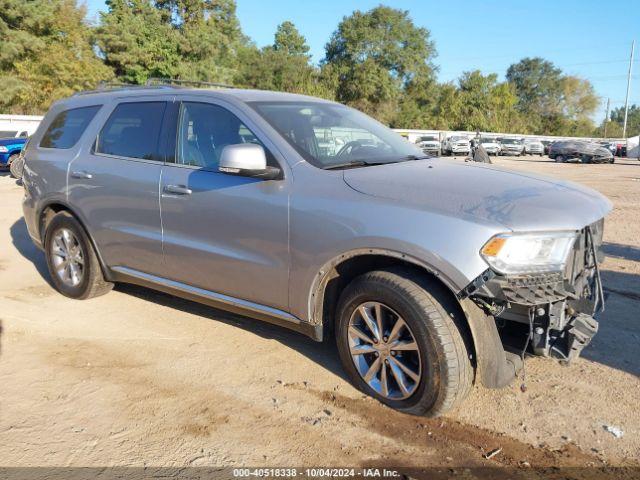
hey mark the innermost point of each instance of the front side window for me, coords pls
(327, 134)
(68, 126)
(132, 131)
(204, 130)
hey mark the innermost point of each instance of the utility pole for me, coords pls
(626, 102)
(606, 118)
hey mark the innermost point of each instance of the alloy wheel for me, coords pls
(384, 351)
(67, 257)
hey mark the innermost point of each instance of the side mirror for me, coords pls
(247, 160)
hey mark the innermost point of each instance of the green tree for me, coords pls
(485, 104)
(187, 39)
(289, 40)
(46, 54)
(283, 66)
(552, 103)
(374, 56)
(633, 120)
(418, 103)
(579, 100)
(538, 86)
(137, 42)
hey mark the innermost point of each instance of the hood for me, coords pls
(490, 144)
(483, 193)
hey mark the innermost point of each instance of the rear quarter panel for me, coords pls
(46, 169)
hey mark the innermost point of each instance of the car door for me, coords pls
(114, 185)
(223, 233)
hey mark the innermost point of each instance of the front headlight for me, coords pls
(518, 253)
(3, 149)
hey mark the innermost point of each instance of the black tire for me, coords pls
(15, 166)
(425, 307)
(560, 159)
(11, 160)
(92, 283)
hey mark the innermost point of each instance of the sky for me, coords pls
(587, 38)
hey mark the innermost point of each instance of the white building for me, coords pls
(18, 125)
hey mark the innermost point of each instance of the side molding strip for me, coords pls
(214, 299)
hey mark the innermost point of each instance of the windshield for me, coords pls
(487, 140)
(428, 139)
(327, 134)
(458, 139)
(7, 134)
(510, 141)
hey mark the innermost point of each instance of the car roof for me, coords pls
(243, 95)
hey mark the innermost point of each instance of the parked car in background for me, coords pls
(533, 146)
(10, 148)
(456, 145)
(511, 146)
(411, 263)
(430, 144)
(13, 134)
(586, 152)
(611, 146)
(491, 145)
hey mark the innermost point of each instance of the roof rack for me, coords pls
(152, 82)
(158, 81)
(112, 86)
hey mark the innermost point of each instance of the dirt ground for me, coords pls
(139, 378)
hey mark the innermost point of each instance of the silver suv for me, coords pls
(430, 274)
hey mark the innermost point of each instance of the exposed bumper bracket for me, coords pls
(577, 335)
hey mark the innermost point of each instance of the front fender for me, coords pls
(316, 292)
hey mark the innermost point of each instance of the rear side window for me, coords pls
(132, 131)
(68, 126)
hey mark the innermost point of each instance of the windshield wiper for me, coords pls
(353, 164)
(365, 163)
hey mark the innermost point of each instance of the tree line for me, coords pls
(378, 61)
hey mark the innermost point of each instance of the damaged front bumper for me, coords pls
(550, 314)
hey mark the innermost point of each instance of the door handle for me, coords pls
(81, 174)
(177, 190)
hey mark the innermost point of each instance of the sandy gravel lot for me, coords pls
(140, 378)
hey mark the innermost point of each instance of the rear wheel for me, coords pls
(560, 159)
(398, 343)
(73, 265)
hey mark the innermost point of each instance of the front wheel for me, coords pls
(398, 343)
(560, 159)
